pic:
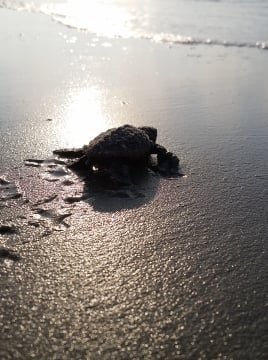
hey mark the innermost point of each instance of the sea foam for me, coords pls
(113, 20)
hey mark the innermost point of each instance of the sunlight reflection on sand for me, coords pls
(84, 116)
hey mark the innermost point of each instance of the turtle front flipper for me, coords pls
(168, 163)
(70, 153)
(80, 164)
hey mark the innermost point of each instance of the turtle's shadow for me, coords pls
(105, 195)
(99, 191)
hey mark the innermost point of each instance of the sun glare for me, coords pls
(100, 17)
(84, 117)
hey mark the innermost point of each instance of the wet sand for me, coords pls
(170, 269)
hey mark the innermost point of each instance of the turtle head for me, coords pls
(150, 131)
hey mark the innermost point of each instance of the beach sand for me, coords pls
(170, 269)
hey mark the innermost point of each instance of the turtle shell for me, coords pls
(125, 142)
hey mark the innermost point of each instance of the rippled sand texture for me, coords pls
(167, 268)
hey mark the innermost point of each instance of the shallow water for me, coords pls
(178, 273)
(236, 23)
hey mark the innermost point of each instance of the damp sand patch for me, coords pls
(31, 207)
(9, 189)
(44, 199)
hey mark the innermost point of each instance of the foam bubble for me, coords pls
(172, 39)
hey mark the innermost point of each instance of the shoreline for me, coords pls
(178, 273)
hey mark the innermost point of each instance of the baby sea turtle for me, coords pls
(116, 150)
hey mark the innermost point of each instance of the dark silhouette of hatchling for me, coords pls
(116, 150)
